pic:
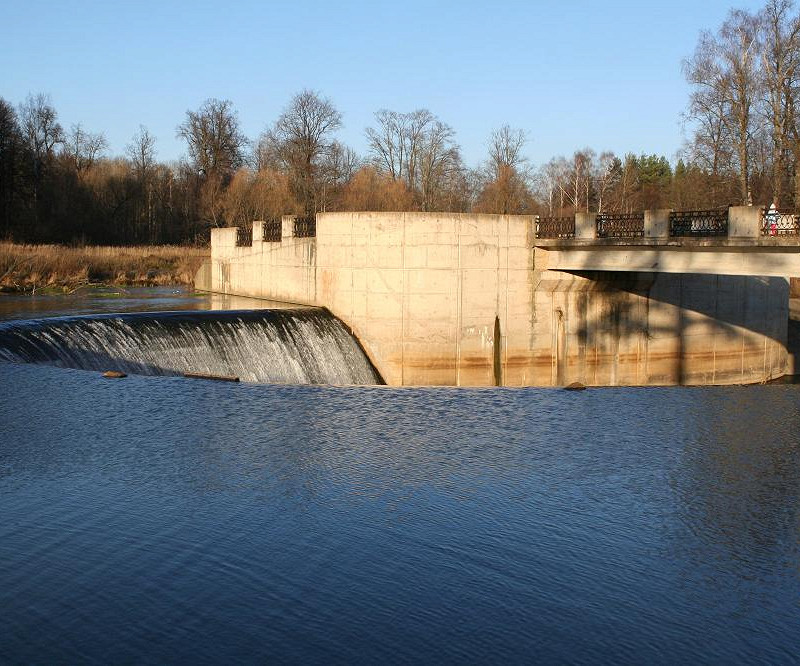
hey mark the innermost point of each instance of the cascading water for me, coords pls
(287, 346)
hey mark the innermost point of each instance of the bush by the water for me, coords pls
(25, 268)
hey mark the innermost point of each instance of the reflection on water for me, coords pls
(739, 480)
(160, 519)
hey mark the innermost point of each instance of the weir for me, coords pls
(286, 346)
(481, 300)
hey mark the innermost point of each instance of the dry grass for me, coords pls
(31, 267)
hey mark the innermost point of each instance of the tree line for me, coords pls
(744, 106)
(61, 185)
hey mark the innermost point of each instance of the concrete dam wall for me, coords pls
(466, 300)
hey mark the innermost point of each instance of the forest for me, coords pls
(742, 121)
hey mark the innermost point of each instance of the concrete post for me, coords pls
(223, 237)
(258, 232)
(744, 222)
(585, 226)
(656, 223)
(287, 227)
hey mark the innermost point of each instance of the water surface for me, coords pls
(104, 300)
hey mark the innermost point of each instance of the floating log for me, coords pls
(114, 374)
(219, 378)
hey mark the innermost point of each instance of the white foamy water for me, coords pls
(302, 346)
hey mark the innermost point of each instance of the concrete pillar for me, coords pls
(585, 226)
(258, 232)
(217, 238)
(223, 237)
(287, 227)
(656, 223)
(744, 222)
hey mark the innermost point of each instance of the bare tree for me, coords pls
(439, 161)
(710, 148)
(299, 141)
(42, 133)
(505, 148)
(389, 142)
(216, 149)
(337, 167)
(142, 152)
(581, 177)
(339, 163)
(215, 142)
(781, 70)
(84, 148)
(724, 73)
(505, 188)
(40, 127)
(548, 185)
(607, 170)
(418, 148)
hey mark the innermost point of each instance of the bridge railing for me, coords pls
(620, 225)
(272, 230)
(305, 227)
(244, 236)
(712, 222)
(555, 227)
(774, 223)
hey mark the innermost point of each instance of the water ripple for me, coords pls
(159, 519)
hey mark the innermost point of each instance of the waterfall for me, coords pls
(287, 346)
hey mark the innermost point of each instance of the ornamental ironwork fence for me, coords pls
(555, 227)
(305, 227)
(244, 236)
(699, 222)
(774, 223)
(272, 230)
(620, 225)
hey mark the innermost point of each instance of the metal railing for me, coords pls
(620, 225)
(555, 227)
(272, 230)
(699, 222)
(305, 227)
(244, 236)
(774, 223)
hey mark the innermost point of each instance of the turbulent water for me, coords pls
(286, 346)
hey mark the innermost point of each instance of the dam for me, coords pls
(654, 298)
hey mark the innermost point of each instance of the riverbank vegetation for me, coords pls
(741, 121)
(32, 268)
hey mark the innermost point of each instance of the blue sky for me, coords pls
(572, 74)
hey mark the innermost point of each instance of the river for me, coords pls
(160, 519)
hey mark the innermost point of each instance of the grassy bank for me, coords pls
(31, 268)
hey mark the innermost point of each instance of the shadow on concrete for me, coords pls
(733, 304)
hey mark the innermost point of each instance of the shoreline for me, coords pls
(57, 269)
(68, 288)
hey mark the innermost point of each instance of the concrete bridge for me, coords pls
(479, 300)
(741, 240)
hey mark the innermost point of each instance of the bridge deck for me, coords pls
(772, 257)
